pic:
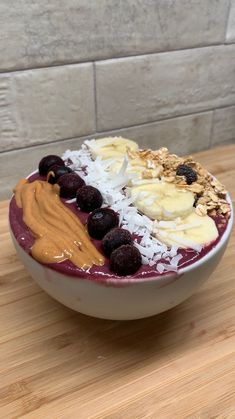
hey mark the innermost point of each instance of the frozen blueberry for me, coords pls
(126, 260)
(69, 184)
(89, 198)
(114, 239)
(47, 162)
(100, 221)
(187, 171)
(55, 172)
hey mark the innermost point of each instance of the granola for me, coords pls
(210, 194)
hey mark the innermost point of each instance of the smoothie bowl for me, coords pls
(116, 232)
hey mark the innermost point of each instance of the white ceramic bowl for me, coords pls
(125, 299)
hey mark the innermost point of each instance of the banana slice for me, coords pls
(192, 231)
(135, 167)
(110, 147)
(162, 200)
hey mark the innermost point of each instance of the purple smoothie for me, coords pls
(25, 239)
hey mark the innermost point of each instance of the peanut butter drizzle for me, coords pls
(59, 233)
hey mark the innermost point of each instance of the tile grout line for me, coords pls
(92, 135)
(159, 120)
(204, 111)
(120, 57)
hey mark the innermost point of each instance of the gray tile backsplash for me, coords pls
(45, 105)
(44, 33)
(151, 87)
(230, 35)
(223, 129)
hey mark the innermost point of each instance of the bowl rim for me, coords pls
(128, 280)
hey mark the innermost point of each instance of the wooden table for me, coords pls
(55, 363)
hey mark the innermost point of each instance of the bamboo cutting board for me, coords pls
(55, 363)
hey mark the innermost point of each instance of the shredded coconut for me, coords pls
(160, 268)
(96, 173)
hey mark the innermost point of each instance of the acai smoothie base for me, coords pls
(130, 212)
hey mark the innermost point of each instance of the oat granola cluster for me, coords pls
(210, 194)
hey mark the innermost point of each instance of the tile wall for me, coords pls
(159, 71)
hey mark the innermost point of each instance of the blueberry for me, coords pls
(89, 198)
(69, 184)
(126, 260)
(114, 239)
(100, 221)
(187, 171)
(47, 162)
(55, 172)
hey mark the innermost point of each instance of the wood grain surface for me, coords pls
(55, 363)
